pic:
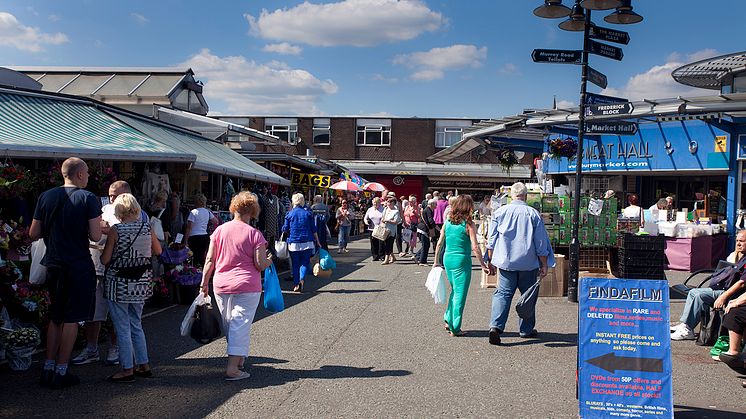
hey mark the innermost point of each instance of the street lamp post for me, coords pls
(580, 19)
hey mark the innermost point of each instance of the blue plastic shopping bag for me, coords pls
(273, 300)
(326, 261)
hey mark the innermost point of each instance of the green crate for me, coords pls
(585, 237)
(610, 205)
(550, 203)
(564, 203)
(565, 218)
(534, 199)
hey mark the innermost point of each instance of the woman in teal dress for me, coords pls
(460, 239)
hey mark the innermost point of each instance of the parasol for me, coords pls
(345, 185)
(374, 187)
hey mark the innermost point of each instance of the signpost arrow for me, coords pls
(606, 34)
(594, 98)
(611, 128)
(611, 363)
(597, 78)
(557, 56)
(604, 50)
(624, 108)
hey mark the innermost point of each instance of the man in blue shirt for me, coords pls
(519, 248)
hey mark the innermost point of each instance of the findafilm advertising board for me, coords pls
(665, 146)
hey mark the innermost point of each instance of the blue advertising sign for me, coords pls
(669, 146)
(624, 351)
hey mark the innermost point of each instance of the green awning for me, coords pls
(212, 156)
(42, 126)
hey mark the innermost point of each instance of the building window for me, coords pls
(447, 136)
(286, 129)
(374, 132)
(321, 131)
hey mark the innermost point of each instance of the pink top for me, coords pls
(412, 215)
(234, 245)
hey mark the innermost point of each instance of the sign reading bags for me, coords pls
(308, 179)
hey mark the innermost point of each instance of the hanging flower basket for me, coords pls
(506, 158)
(563, 147)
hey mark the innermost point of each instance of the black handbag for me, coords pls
(207, 325)
(710, 326)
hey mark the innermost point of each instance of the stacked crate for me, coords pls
(641, 257)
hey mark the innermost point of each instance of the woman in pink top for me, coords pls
(237, 255)
(411, 218)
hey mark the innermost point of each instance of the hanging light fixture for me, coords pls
(576, 21)
(624, 14)
(600, 4)
(552, 9)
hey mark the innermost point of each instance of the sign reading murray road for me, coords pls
(606, 34)
(557, 56)
(608, 51)
(611, 128)
(625, 108)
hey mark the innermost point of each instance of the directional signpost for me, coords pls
(594, 98)
(624, 108)
(606, 34)
(557, 56)
(597, 78)
(611, 128)
(624, 349)
(608, 51)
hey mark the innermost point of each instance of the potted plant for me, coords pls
(506, 158)
(563, 147)
(20, 344)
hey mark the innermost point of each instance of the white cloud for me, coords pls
(657, 83)
(360, 23)
(381, 77)
(510, 69)
(54, 18)
(565, 104)
(26, 38)
(248, 87)
(431, 65)
(283, 48)
(140, 19)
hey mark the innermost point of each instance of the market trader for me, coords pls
(519, 248)
(67, 217)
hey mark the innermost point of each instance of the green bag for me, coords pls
(721, 345)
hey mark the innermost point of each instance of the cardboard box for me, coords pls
(564, 203)
(550, 203)
(555, 283)
(534, 199)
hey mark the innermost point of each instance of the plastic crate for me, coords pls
(645, 258)
(634, 242)
(637, 272)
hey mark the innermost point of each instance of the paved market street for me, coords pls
(367, 343)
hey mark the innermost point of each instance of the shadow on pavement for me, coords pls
(703, 413)
(548, 339)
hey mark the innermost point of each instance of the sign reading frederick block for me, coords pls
(624, 352)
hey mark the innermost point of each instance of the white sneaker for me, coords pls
(684, 333)
(339, 250)
(112, 356)
(85, 357)
(677, 327)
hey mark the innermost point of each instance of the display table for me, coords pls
(692, 254)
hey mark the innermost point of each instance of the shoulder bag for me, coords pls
(381, 232)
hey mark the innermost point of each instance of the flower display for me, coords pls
(100, 178)
(22, 299)
(506, 158)
(22, 338)
(559, 147)
(18, 239)
(160, 288)
(15, 180)
(184, 274)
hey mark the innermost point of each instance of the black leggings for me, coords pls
(198, 245)
(424, 249)
(388, 245)
(376, 248)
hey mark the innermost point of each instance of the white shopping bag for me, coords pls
(436, 284)
(38, 272)
(281, 248)
(186, 324)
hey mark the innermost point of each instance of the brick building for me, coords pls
(397, 152)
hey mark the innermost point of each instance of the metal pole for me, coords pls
(572, 288)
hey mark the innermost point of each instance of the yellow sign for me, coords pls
(308, 179)
(721, 143)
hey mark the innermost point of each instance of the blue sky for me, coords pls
(429, 58)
